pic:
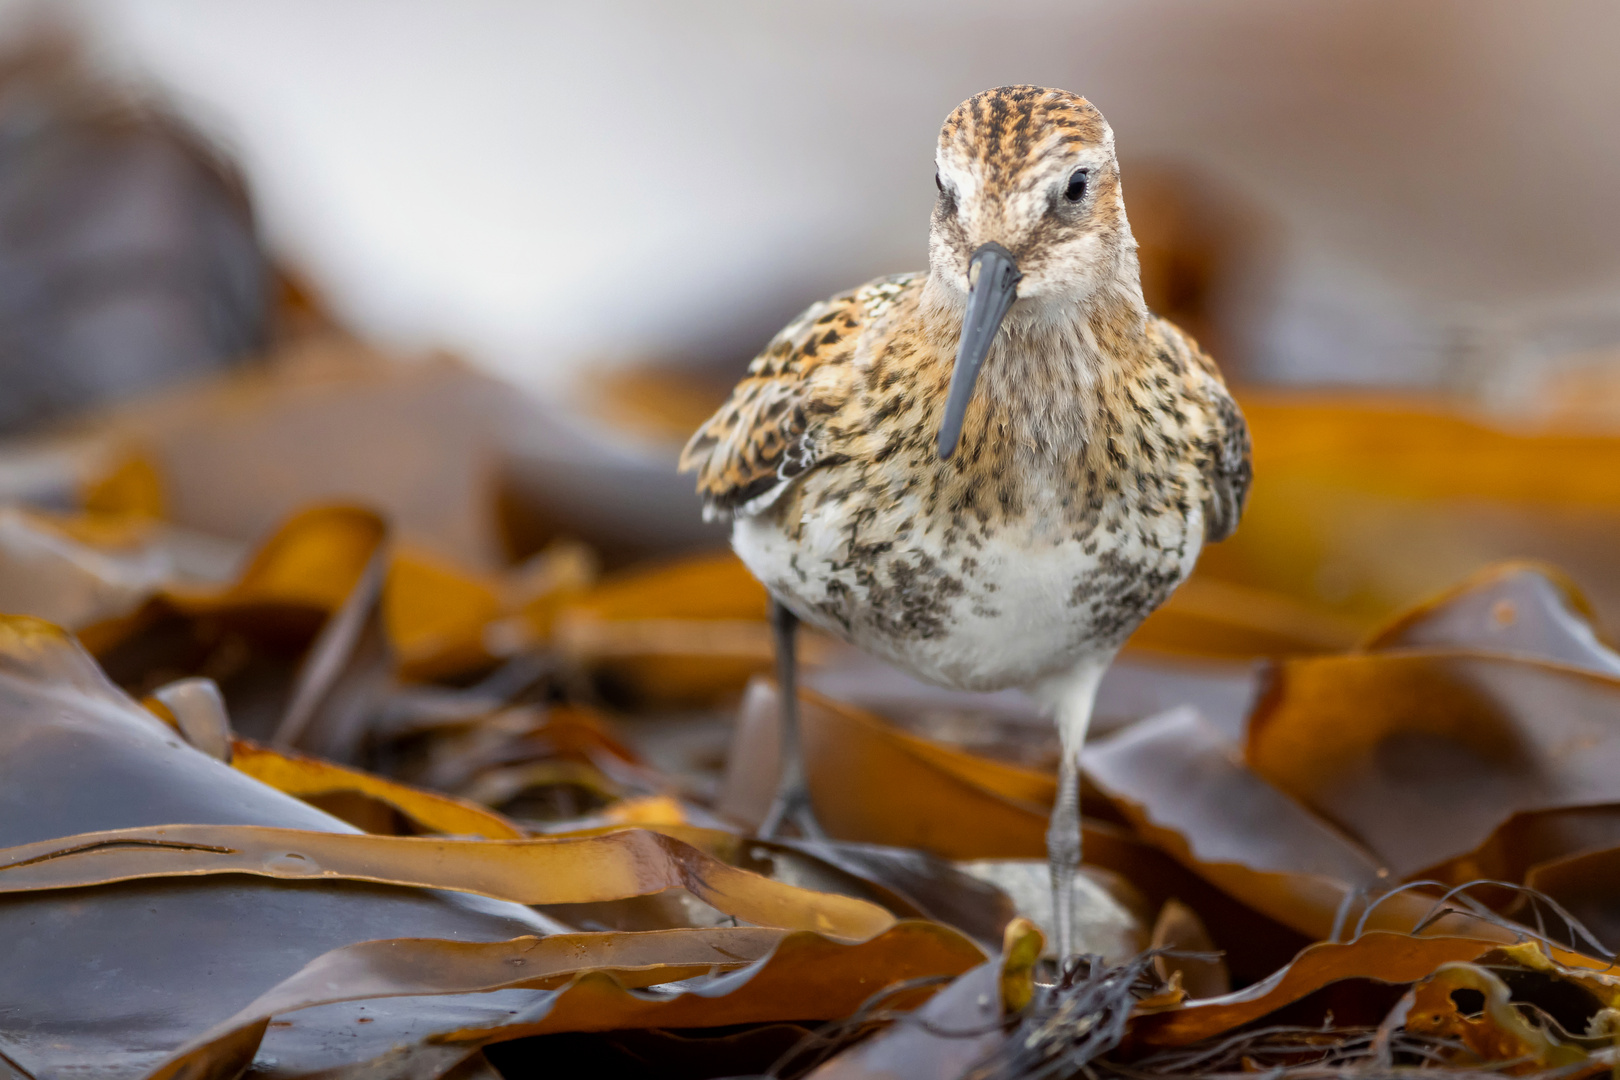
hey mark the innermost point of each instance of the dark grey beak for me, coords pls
(992, 286)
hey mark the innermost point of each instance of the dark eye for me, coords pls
(939, 183)
(1077, 186)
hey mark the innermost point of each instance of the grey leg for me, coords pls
(1072, 695)
(1063, 853)
(792, 802)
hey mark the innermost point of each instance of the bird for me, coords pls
(990, 473)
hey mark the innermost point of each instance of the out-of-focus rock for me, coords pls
(602, 468)
(129, 258)
(329, 420)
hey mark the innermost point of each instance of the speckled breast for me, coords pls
(1007, 605)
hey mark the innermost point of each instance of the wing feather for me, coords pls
(766, 435)
(1229, 470)
(1223, 439)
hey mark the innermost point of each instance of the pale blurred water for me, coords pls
(550, 186)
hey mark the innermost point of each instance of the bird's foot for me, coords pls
(791, 806)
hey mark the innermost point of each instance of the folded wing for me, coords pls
(769, 433)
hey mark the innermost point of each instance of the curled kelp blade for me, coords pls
(1337, 479)
(1185, 787)
(1422, 754)
(617, 865)
(775, 977)
(314, 779)
(1456, 1001)
(76, 755)
(1515, 608)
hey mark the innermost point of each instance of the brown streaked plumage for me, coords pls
(1098, 447)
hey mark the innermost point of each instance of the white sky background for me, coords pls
(545, 185)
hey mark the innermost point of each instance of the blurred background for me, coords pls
(1384, 193)
(279, 253)
(347, 348)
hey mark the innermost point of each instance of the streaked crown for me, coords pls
(1031, 169)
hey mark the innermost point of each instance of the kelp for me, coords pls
(223, 898)
(753, 975)
(330, 786)
(1457, 740)
(442, 806)
(1362, 505)
(554, 870)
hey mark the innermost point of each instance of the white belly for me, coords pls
(1023, 605)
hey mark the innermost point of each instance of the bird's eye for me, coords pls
(1077, 186)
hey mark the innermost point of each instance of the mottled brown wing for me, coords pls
(765, 435)
(1222, 433)
(1228, 471)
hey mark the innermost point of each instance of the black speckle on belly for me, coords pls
(901, 596)
(837, 604)
(1122, 592)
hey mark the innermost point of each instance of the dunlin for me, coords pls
(988, 474)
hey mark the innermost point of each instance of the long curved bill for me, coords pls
(992, 286)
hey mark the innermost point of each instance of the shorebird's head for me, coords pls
(1029, 212)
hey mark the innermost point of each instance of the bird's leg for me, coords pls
(792, 802)
(1074, 695)
(1063, 853)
